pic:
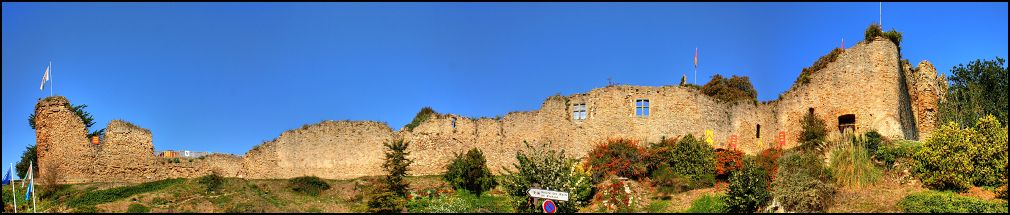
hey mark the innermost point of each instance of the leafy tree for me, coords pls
(396, 164)
(470, 172)
(975, 90)
(27, 157)
(731, 89)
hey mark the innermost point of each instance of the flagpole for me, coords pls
(30, 164)
(33, 195)
(51, 78)
(13, 191)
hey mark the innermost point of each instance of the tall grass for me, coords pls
(851, 163)
(709, 204)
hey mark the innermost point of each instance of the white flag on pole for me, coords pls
(45, 77)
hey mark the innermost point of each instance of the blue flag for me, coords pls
(29, 192)
(7, 177)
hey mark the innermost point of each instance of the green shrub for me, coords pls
(991, 146)
(386, 202)
(660, 154)
(110, 195)
(709, 204)
(212, 182)
(137, 208)
(695, 159)
(888, 154)
(617, 156)
(470, 172)
(821, 62)
(955, 159)
(748, 189)
(308, 185)
(873, 141)
(727, 161)
(948, 202)
(546, 168)
(803, 184)
(812, 138)
(668, 182)
(894, 37)
(852, 166)
(395, 164)
(731, 89)
(873, 31)
(423, 115)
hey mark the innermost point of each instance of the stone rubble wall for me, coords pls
(62, 150)
(867, 80)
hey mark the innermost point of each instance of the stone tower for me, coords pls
(64, 153)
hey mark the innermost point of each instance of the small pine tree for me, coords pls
(469, 171)
(814, 132)
(395, 165)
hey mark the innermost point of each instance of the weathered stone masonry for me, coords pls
(867, 85)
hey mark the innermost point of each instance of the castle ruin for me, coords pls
(867, 88)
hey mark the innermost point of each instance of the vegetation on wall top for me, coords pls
(730, 89)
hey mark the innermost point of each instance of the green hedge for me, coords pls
(948, 202)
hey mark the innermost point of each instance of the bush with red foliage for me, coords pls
(768, 160)
(620, 157)
(727, 161)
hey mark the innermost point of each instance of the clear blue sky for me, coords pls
(223, 77)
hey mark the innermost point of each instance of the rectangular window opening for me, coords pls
(579, 111)
(642, 107)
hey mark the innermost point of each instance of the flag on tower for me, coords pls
(695, 58)
(45, 77)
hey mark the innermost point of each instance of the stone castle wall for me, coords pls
(331, 149)
(63, 151)
(867, 81)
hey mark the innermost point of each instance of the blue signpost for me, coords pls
(549, 206)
